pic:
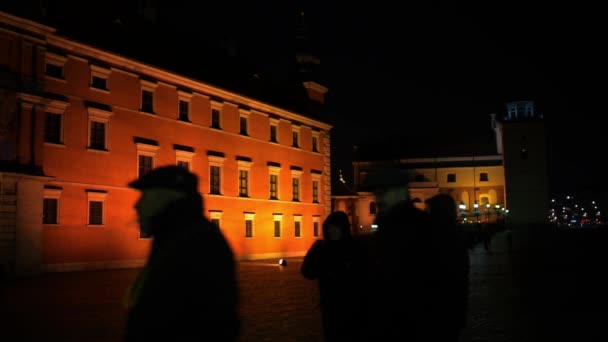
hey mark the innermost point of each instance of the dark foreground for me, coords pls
(552, 287)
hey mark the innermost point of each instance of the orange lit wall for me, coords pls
(74, 168)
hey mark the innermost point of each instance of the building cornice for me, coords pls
(26, 24)
(133, 66)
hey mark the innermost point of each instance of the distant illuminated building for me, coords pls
(505, 176)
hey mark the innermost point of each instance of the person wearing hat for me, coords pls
(398, 268)
(188, 288)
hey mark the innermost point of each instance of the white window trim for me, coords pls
(297, 129)
(251, 216)
(275, 170)
(278, 217)
(185, 156)
(55, 59)
(53, 194)
(316, 134)
(216, 215)
(315, 177)
(149, 86)
(215, 105)
(298, 218)
(296, 174)
(57, 107)
(145, 150)
(97, 197)
(219, 162)
(102, 116)
(186, 97)
(244, 113)
(243, 165)
(317, 220)
(274, 122)
(97, 71)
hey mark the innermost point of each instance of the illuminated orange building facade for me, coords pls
(78, 123)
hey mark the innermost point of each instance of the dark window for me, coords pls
(243, 127)
(298, 229)
(183, 164)
(373, 208)
(54, 70)
(315, 191)
(95, 212)
(483, 177)
(145, 165)
(215, 180)
(274, 180)
(315, 229)
(98, 135)
(215, 221)
(277, 228)
(99, 83)
(147, 101)
(52, 128)
(451, 178)
(419, 178)
(315, 143)
(184, 110)
(143, 235)
(215, 118)
(273, 133)
(248, 228)
(243, 180)
(295, 138)
(49, 211)
(295, 189)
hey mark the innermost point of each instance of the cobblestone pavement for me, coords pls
(529, 295)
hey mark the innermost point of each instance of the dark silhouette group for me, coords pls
(407, 281)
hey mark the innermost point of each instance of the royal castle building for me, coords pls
(77, 123)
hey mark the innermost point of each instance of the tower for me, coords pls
(524, 152)
(308, 63)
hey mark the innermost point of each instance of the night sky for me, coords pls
(395, 70)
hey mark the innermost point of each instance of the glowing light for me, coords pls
(282, 262)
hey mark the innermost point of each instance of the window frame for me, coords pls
(102, 116)
(186, 97)
(150, 87)
(216, 161)
(274, 170)
(277, 218)
(54, 194)
(146, 150)
(56, 60)
(99, 72)
(249, 217)
(297, 226)
(243, 165)
(96, 196)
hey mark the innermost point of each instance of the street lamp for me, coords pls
(476, 206)
(462, 211)
(487, 212)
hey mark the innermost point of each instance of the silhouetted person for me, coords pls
(188, 289)
(399, 267)
(449, 285)
(336, 262)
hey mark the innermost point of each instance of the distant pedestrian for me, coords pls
(336, 262)
(187, 291)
